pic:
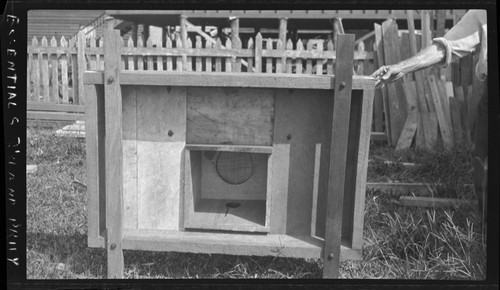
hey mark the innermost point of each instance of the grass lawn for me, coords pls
(399, 242)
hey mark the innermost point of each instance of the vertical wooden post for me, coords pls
(338, 154)
(235, 29)
(184, 35)
(113, 150)
(283, 30)
(338, 28)
(45, 71)
(82, 66)
(54, 89)
(258, 53)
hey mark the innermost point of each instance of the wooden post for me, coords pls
(54, 89)
(113, 150)
(235, 29)
(380, 58)
(45, 71)
(338, 28)
(81, 67)
(338, 154)
(258, 53)
(282, 38)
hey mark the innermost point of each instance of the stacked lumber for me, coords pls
(433, 108)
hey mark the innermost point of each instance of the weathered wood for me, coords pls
(445, 104)
(235, 28)
(329, 63)
(443, 126)
(314, 207)
(244, 80)
(228, 64)
(298, 62)
(45, 72)
(94, 143)
(280, 63)
(131, 63)
(282, 37)
(189, 60)
(218, 60)
(93, 57)
(183, 40)
(258, 53)
(64, 73)
(277, 193)
(288, 61)
(418, 189)
(233, 244)
(81, 66)
(230, 116)
(360, 63)
(250, 46)
(410, 126)
(168, 45)
(319, 63)
(149, 59)
(113, 152)
(269, 60)
(338, 155)
(378, 105)
(309, 47)
(397, 105)
(54, 82)
(379, 48)
(140, 59)
(455, 105)
(422, 201)
(198, 61)
(35, 106)
(230, 148)
(459, 94)
(158, 42)
(35, 70)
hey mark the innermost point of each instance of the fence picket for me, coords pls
(279, 62)
(45, 72)
(159, 58)
(218, 46)
(329, 63)
(131, 63)
(208, 60)
(250, 59)
(269, 60)
(309, 61)
(228, 60)
(72, 72)
(150, 63)
(198, 60)
(289, 46)
(237, 60)
(29, 86)
(258, 53)
(319, 62)
(64, 73)
(298, 61)
(140, 59)
(101, 57)
(168, 44)
(35, 72)
(178, 44)
(189, 59)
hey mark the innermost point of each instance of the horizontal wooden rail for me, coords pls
(214, 79)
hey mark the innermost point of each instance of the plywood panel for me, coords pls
(129, 143)
(159, 181)
(303, 119)
(214, 187)
(230, 116)
(160, 111)
(277, 183)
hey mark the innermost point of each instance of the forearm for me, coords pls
(429, 56)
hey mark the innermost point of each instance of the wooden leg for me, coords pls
(338, 154)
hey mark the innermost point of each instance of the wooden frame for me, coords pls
(287, 234)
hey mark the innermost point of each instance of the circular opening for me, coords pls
(234, 167)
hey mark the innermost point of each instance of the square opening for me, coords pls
(226, 190)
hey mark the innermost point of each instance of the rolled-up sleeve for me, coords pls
(464, 37)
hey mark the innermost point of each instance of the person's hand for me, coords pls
(386, 74)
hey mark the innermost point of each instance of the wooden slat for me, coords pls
(149, 59)
(230, 148)
(213, 79)
(258, 53)
(131, 63)
(314, 207)
(269, 60)
(168, 45)
(64, 73)
(298, 61)
(189, 59)
(422, 201)
(279, 62)
(45, 72)
(113, 152)
(418, 189)
(35, 72)
(361, 65)
(455, 106)
(140, 59)
(288, 64)
(250, 46)
(36, 106)
(159, 59)
(93, 57)
(329, 63)
(410, 126)
(62, 116)
(397, 106)
(380, 58)
(228, 65)
(29, 86)
(50, 50)
(319, 63)
(198, 60)
(340, 132)
(218, 60)
(443, 126)
(81, 66)
(378, 106)
(309, 47)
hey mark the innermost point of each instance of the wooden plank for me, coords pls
(140, 59)
(445, 104)
(314, 207)
(277, 193)
(362, 139)
(243, 80)
(189, 60)
(35, 72)
(93, 57)
(228, 64)
(418, 189)
(183, 40)
(250, 46)
(130, 157)
(218, 60)
(455, 105)
(149, 59)
(288, 61)
(298, 62)
(459, 94)
(198, 61)
(230, 148)
(338, 159)
(64, 73)
(329, 63)
(39, 115)
(113, 152)
(443, 126)
(45, 72)
(168, 45)
(230, 116)
(81, 67)
(54, 72)
(309, 47)
(410, 126)
(280, 64)
(34, 106)
(423, 201)
(360, 63)
(397, 105)
(231, 244)
(319, 63)
(385, 99)
(258, 53)
(378, 106)
(131, 63)
(72, 78)
(96, 186)
(29, 82)
(269, 60)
